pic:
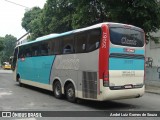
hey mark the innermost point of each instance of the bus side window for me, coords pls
(50, 48)
(20, 55)
(68, 49)
(14, 61)
(56, 46)
(35, 50)
(94, 39)
(80, 42)
(67, 44)
(44, 49)
(28, 52)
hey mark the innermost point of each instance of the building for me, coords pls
(23, 39)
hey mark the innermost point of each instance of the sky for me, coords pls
(11, 15)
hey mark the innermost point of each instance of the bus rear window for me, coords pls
(126, 37)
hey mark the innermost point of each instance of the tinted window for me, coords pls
(55, 46)
(28, 52)
(35, 50)
(80, 42)
(44, 49)
(67, 45)
(14, 59)
(87, 41)
(93, 39)
(50, 47)
(24, 51)
(21, 52)
(126, 37)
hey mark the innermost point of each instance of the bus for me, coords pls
(102, 62)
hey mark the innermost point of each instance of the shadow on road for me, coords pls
(106, 105)
(97, 105)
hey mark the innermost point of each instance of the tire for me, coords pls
(70, 93)
(19, 80)
(57, 90)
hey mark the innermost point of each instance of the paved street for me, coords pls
(13, 97)
(5, 71)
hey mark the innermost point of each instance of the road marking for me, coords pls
(4, 92)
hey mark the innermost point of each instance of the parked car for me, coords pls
(6, 65)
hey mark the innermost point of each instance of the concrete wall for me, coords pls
(152, 74)
(153, 52)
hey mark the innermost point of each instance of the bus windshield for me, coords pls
(126, 37)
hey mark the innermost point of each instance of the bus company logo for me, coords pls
(126, 41)
(129, 50)
(104, 40)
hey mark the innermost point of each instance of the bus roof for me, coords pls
(55, 35)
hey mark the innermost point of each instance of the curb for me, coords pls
(152, 88)
(147, 91)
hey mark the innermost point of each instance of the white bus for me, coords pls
(101, 62)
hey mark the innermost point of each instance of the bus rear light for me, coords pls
(106, 79)
(105, 83)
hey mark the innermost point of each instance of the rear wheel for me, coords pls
(70, 93)
(57, 90)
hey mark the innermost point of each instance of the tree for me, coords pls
(31, 22)
(9, 42)
(64, 15)
(1, 43)
(142, 13)
(89, 12)
(57, 16)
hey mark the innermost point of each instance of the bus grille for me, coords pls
(89, 85)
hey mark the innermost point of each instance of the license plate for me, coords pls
(128, 86)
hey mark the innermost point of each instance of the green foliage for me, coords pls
(57, 16)
(64, 15)
(1, 43)
(9, 43)
(89, 12)
(31, 22)
(142, 13)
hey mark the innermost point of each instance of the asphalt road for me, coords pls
(27, 98)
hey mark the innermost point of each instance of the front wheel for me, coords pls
(19, 82)
(70, 93)
(57, 90)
